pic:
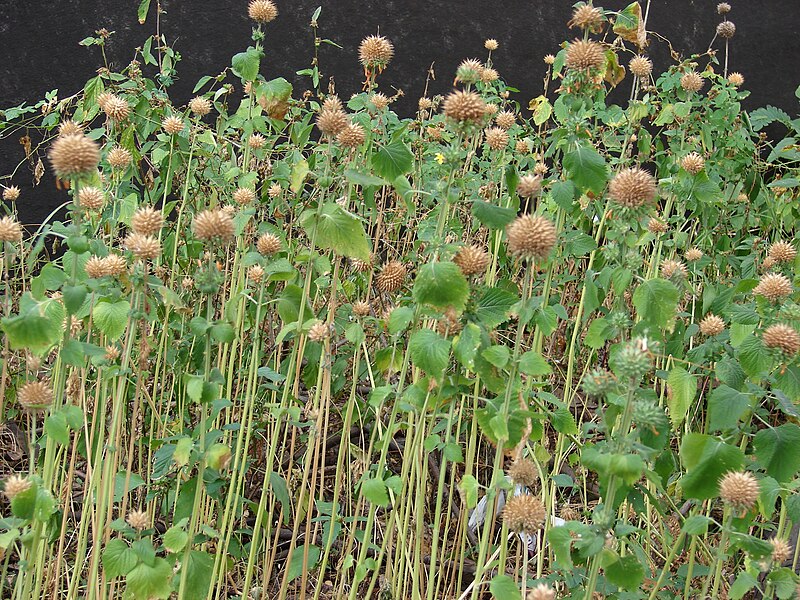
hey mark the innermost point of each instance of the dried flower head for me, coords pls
(116, 108)
(781, 550)
(11, 193)
(505, 119)
(739, 489)
(138, 519)
(73, 155)
(69, 127)
(692, 82)
(95, 267)
(352, 136)
(331, 122)
(673, 269)
(268, 244)
(391, 277)
(587, 17)
(15, 485)
(489, 75)
(524, 472)
(712, 325)
(693, 254)
(736, 79)
(262, 11)
(199, 106)
(726, 30)
(774, 286)
(469, 71)
(319, 332)
(332, 102)
(147, 221)
(119, 158)
(529, 186)
(549, 59)
(524, 514)
(723, 8)
(115, 265)
(522, 147)
(693, 163)
(375, 51)
(256, 141)
(641, 66)
(783, 337)
(380, 101)
(656, 226)
(496, 138)
(256, 274)
(425, 103)
(35, 395)
(275, 190)
(584, 55)
(143, 247)
(472, 260)
(244, 196)
(531, 237)
(541, 592)
(361, 308)
(633, 188)
(10, 230)
(491, 44)
(782, 252)
(172, 125)
(464, 106)
(112, 353)
(214, 225)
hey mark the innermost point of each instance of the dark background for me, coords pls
(41, 51)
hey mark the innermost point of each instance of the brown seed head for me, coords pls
(425, 103)
(361, 308)
(319, 331)
(531, 237)
(11, 193)
(268, 244)
(782, 252)
(375, 52)
(112, 353)
(693, 163)
(524, 472)
(172, 125)
(496, 138)
(95, 267)
(199, 106)
(521, 146)
(143, 247)
(361, 265)
(469, 71)
(489, 75)
(774, 286)
(332, 102)
(380, 101)
(529, 186)
(673, 268)
(331, 122)
(464, 106)
(541, 592)
(15, 485)
(262, 11)
(147, 221)
(10, 230)
(641, 66)
(91, 198)
(712, 325)
(244, 196)
(723, 8)
(119, 158)
(583, 55)
(255, 274)
(633, 188)
(491, 44)
(115, 265)
(352, 136)
(35, 395)
(391, 277)
(69, 127)
(588, 17)
(783, 337)
(656, 226)
(693, 254)
(74, 155)
(275, 190)
(116, 108)
(739, 489)
(505, 119)
(214, 225)
(256, 141)
(138, 519)
(472, 260)
(549, 59)
(524, 514)
(692, 82)
(726, 30)
(781, 550)
(736, 79)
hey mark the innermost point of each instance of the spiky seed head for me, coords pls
(588, 17)
(740, 489)
(488, 75)
(332, 102)
(35, 395)
(391, 277)
(380, 101)
(138, 519)
(521, 146)
(450, 324)
(524, 514)
(361, 308)
(549, 59)
(361, 266)
(773, 286)
(119, 158)
(352, 136)
(112, 353)
(648, 414)
(781, 550)
(15, 485)
(331, 122)
(464, 106)
(783, 337)
(375, 51)
(256, 141)
(491, 44)
(255, 274)
(692, 82)
(632, 361)
(736, 79)
(726, 30)
(319, 331)
(693, 254)
(599, 382)
(143, 247)
(693, 163)
(95, 267)
(275, 190)
(268, 244)
(187, 283)
(147, 221)
(424, 103)
(712, 325)
(469, 71)
(583, 55)
(505, 119)
(244, 196)
(540, 169)
(633, 188)
(199, 106)
(768, 263)
(524, 472)
(529, 186)
(472, 260)
(69, 127)
(656, 226)
(531, 237)
(490, 110)
(116, 108)
(641, 66)
(11, 193)
(782, 252)
(10, 230)
(115, 265)
(172, 125)
(541, 592)
(214, 225)
(723, 8)
(103, 98)
(496, 138)
(262, 11)
(74, 154)
(673, 269)
(91, 198)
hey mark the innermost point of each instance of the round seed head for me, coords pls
(491, 44)
(782, 252)
(656, 226)
(331, 122)
(214, 226)
(391, 277)
(262, 11)
(723, 8)
(116, 108)
(256, 141)
(529, 186)
(773, 286)
(599, 382)
(692, 82)
(693, 254)
(641, 66)
(531, 237)
(496, 138)
(332, 102)
(739, 489)
(95, 267)
(138, 519)
(243, 196)
(361, 308)
(736, 79)
(375, 51)
(541, 592)
(69, 127)
(35, 395)
(147, 221)
(11, 193)
(489, 75)
(583, 55)
(361, 266)
(469, 71)
(115, 265)
(522, 147)
(143, 247)
(524, 514)
(380, 101)
(472, 260)
(588, 17)
(255, 274)
(524, 472)
(505, 119)
(549, 59)
(783, 337)
(633, 188)
(119, 158)
(10, 230)
(268, 244)
(673, 269)
(781, 550)
(91, 198)
(172, 125)
(319, 332)
(16, 485)
(464, 106)
(199, 106)
(352, 136)
(275, 190)
(693, 163)
(726, 30)
(74, 155)
(632, 361)
(424, 103)
(712, 325)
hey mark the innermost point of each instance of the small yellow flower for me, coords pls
(440, 158)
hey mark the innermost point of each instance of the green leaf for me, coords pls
(363, 179)
(784, 581)
(655, 301)
(497, 356)
(726, 406)
(146, 582)
(469, 487)
(55, 426)
(683, 388)
(392, 160)
(246, 64)
(754, 357)
(743, 584)
(534, 364)
(175, 539)
(598, 334)
(375, 491)
(37, 326)
(400, 318)
(338, 230)
(118, 558)
(504, 587)
(577, 243)
(144, 7)
(300, 563)
(111, 317)
(626, 572)
(560, 539)
(441, 284)
(466, 345)
(586, 168)
(429, 352)
(200, 567)
(491, 215)
(778, 451)
(493, 307)
(300, 171)
(707, 460)
(696, 525)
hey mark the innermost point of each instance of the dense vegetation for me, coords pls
(303, 347)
